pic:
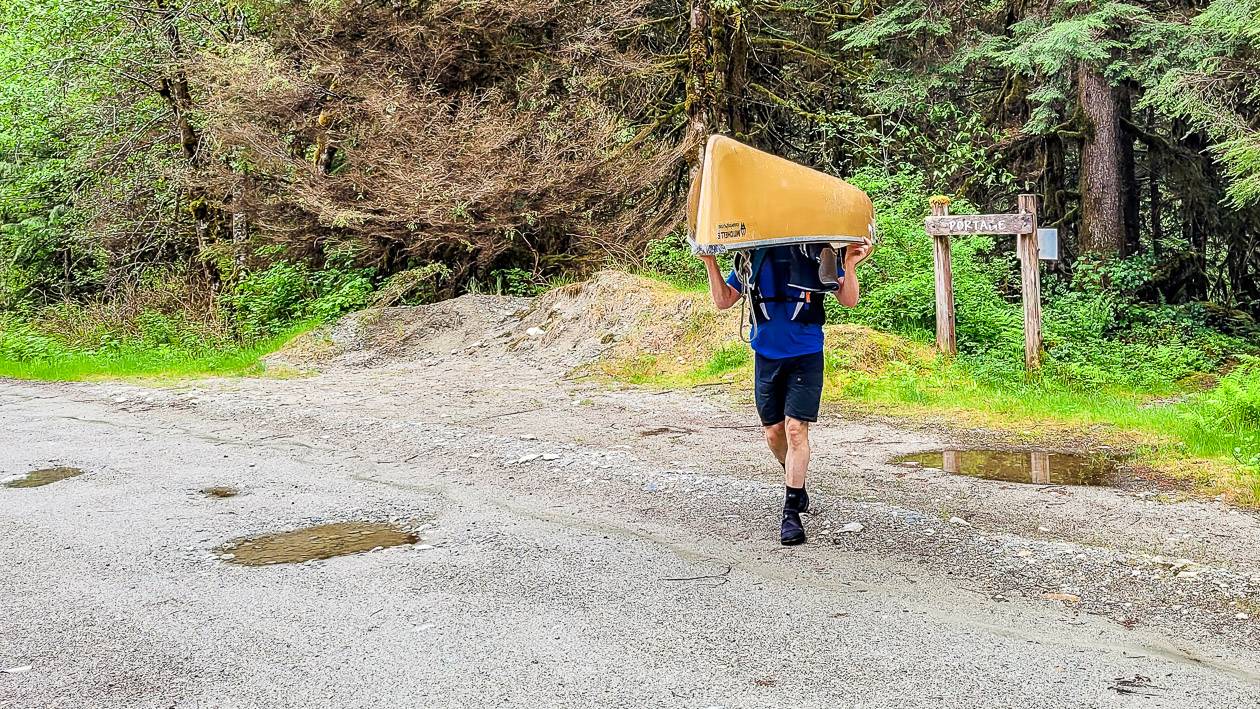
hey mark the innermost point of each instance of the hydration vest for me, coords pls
(794, 279)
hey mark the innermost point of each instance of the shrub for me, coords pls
(264, 303)
(415, 286)
(34, 253)
(21, 341)
(1233, 406)
(898, 281)
(670, 259)
(515, 282)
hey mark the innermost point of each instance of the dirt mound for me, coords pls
(616, 315)
(404, 334)
(568, 326)
(628, 326)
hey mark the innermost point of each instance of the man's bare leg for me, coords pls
(796, 462)
(776, 439)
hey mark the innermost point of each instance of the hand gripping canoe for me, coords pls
(749, 199)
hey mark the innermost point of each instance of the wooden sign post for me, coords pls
(946, 340)
(1030, 275)
(1023, 224)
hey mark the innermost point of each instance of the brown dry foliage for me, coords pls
(479, 134)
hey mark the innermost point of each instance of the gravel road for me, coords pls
(581, 546)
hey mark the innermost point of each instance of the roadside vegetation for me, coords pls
(157, 328)
(33, 354)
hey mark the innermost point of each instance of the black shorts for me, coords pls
(789, 387)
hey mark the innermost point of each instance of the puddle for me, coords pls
(220, 491)
(1036, 467)
(312, 543)
(47, 476)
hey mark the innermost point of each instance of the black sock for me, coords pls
(795, 498)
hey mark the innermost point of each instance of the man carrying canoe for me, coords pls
(786, 301)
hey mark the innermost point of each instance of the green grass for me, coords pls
(950, 388)
(139, 360)
(727, 358)
(683, 283)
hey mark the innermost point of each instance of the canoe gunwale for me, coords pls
(714, 249)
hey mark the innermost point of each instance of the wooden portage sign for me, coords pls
(952, 225)
(1023, 224)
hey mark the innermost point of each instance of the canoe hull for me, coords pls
(749, 199)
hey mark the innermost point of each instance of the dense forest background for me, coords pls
(177, 170)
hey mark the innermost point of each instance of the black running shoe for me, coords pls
(792, 532)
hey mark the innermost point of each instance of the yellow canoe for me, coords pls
(748, 199)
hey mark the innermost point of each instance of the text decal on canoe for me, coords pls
(731, 230)
(979, 224)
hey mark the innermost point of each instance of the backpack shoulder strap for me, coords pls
(758, 258)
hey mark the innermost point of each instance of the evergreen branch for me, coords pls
(649, 129)
(780, 101)
(811, 12)
(1151, 140)
(624, 31)
(788, 45)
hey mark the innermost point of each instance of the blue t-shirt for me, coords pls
(781, 336)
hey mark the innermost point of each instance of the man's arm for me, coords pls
(724, 296)
(850, 290)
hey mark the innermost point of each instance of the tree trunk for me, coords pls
(1243, 289)
(1197, 217)
(698, 102)
(717, 48)
(717, 52)
(1053, 173)
(1155, 173)
(1102, 177)
(730, 68)
(1128, 174)
(174, 89)
(239, 223)
(325, 148)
